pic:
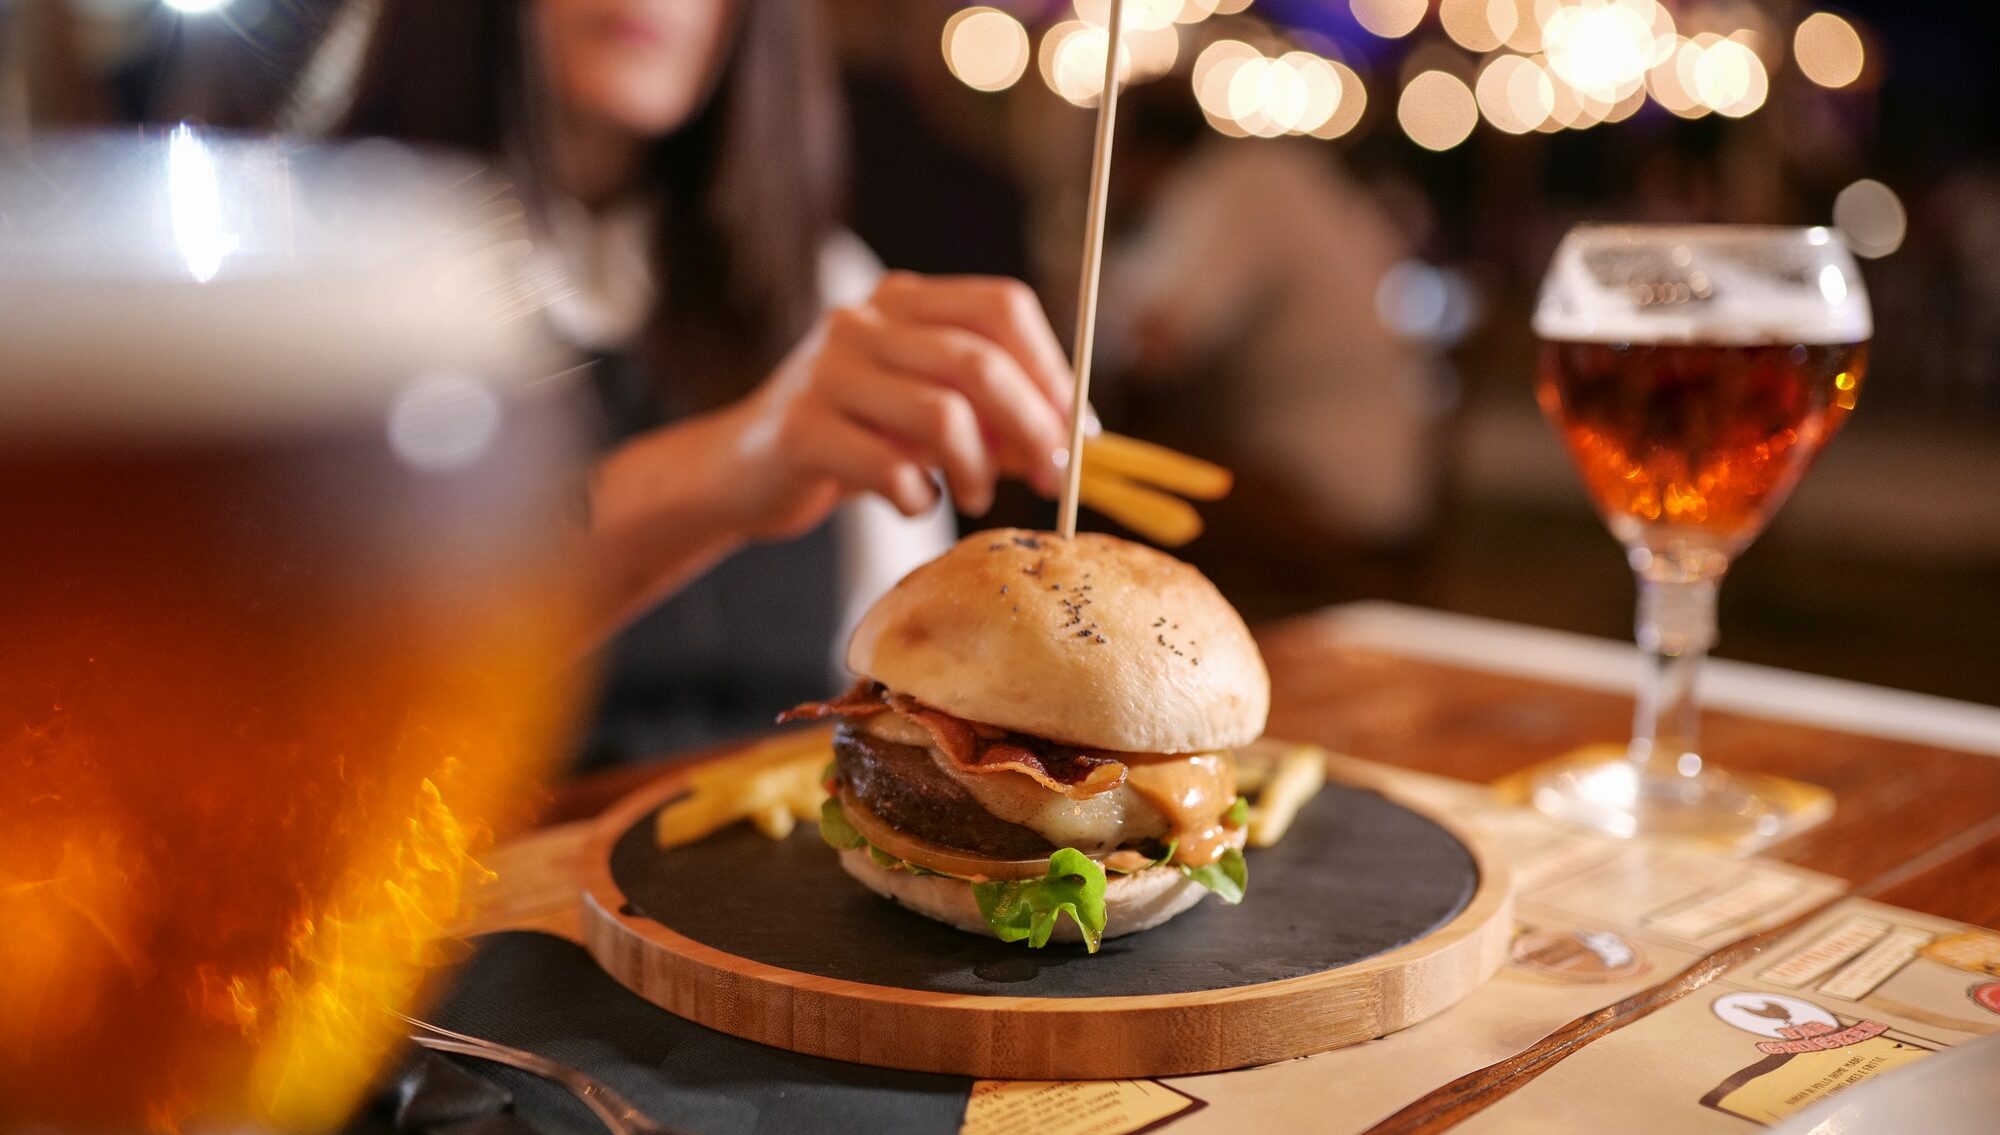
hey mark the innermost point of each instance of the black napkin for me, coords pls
(546, 995)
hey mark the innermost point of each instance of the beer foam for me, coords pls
(1735, 285)
(190, 283)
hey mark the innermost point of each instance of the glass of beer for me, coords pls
(1693, 372)
(287, 625)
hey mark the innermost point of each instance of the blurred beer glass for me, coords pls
(284, 617)
(1693, 372)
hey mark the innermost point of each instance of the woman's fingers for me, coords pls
(1002, 310)
(824, 441)
(922, 416)
(1011, 410)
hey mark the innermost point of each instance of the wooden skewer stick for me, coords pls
(1093, 259)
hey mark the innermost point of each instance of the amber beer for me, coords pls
(1695, 444)
(1693, 371)
(284, 617)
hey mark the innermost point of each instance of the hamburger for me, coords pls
(1038, 745)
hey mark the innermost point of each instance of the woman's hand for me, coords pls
(958, 375)
(954, 375)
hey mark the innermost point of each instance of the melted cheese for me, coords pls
(1164, 797)
(895, 729)
(1192, 793)
(1091, 824)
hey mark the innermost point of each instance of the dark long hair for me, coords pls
(747, 190)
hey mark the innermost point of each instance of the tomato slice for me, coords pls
(933, 856)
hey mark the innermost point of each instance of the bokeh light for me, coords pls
(1353, 103)
(1871, 217)
(195, 7)
(1071, 60)
(1604, 48)
(1244, 93)
(1729, 78)
(1139, 15)
(1828, 50)
(1152, 52)
(1428, 304)
(1515, 94)
(1575, 109)
(1195, 11)
(1265, 96)
(1524, 31)
(985, 48)
(1626, 107)
(1321, 85)
(1214, 71)
(1437, 110)
(1547, 66)
(1478, 25)
(1669, 81)
(1390, 19)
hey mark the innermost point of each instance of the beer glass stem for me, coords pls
(1676, 626)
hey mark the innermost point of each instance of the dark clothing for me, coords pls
(728, 652)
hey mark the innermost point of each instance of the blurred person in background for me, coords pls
(775, 406)
(1241, 323)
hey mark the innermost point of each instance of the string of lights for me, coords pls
(1518, 66)
(1537, 65)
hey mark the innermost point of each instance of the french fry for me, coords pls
(806, 799)
(1297, 778)
(1156, 465)
(694, 817)
(774, 784)
(1153, 514)
(775, 821)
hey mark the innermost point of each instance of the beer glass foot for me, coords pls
(1740, 813)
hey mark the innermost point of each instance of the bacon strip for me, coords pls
(863, 699)
(973, 747)
(1071, 772)
(954, 735)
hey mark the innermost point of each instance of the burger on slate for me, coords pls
(1038, 746)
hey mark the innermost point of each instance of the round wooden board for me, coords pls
(1370, 915)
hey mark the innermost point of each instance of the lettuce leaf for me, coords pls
(834, 828)
(1238, 814)
(1029, 909)
(1227, 876)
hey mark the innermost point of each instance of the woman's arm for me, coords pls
(958, 377)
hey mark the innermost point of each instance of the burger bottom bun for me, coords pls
(1135, 902)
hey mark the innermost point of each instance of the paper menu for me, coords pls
(1769, 1038)
(1072, 1107)
(1600, 919)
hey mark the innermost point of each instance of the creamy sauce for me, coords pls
(1127, 861)
(1191, 793)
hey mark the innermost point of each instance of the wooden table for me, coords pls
(1917, 779)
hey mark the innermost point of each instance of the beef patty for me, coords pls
(903, 785)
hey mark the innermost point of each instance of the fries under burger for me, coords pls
(1038, 747)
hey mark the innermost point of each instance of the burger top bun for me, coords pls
(1091, 641)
